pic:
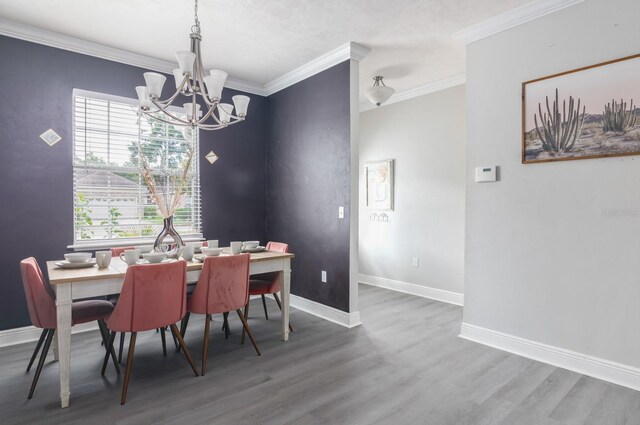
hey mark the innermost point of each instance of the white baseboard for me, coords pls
(413, 289)
(348, 320)
(617, 373)
(31, 333)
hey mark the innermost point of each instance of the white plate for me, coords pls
(199, 258)
(256, 249)
(166, 260)
(64, 264)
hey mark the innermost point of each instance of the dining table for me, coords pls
(75, 284)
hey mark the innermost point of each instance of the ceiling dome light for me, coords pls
(378, 94)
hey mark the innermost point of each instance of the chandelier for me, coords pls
(192, 83)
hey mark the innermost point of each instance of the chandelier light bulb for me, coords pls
(225, 110)
(155, 82)
(242, 104)
(143, 98)
(186, 61)
(178, 77)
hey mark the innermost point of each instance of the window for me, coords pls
(111, 199)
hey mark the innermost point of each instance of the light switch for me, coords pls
(340, 212)
(416, 262)
(323, 276)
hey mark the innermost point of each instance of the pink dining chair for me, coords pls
(223, 286)
(42, 311)
(267, 283)
(153, 296)
(115, 252)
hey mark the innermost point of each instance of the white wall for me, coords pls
(426, 137)
(542, 260)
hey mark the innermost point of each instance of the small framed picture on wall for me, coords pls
(379, 184)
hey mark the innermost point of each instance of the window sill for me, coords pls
(113, 243)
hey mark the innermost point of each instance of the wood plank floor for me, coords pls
(405, 365)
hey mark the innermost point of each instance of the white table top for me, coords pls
(118, 268)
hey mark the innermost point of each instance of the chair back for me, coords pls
(223, 285)
(277, 246)
(153, 296)
(40, 298)
(115, 252)
(273, 281)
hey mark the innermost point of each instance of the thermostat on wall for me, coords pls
(486, 174)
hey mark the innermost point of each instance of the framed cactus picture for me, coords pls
(589, 112)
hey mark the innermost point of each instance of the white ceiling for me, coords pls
(258, 41)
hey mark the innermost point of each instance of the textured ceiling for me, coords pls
(258, 40)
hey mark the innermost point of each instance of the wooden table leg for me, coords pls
(284, 293)
(56, 356)
(63, 337)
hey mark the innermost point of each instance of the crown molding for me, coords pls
(345, 52)
(512, 18)
(77, 45)
(434, 86)
(245, 86)
(73, 44)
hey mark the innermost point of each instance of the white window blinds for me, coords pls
(111, 199)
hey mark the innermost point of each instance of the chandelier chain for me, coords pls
(196, 27)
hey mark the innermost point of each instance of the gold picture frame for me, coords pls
(588, 112)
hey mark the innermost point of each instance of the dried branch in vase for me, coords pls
(165, 158)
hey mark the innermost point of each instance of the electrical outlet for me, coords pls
(416, 262)
(340, 212)
(323, 276)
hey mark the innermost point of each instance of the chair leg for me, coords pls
(121, 346)
(127, 371)
(43, 335)
(105, 341)
(225, 325)
(109, 344)
(245, 325)
(43, 357)
(246, 316)
(174, 329)
(164, 341)
(264, 305)
(183, 327)
(280, 307)
(175, 341)
(205, 347)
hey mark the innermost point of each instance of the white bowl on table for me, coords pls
(154, 257)
(145, 249)
(250, 244)
(211, 252)
(78, 257)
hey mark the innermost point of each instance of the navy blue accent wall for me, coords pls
(234, 187)
(308, 174)
(36, 183)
